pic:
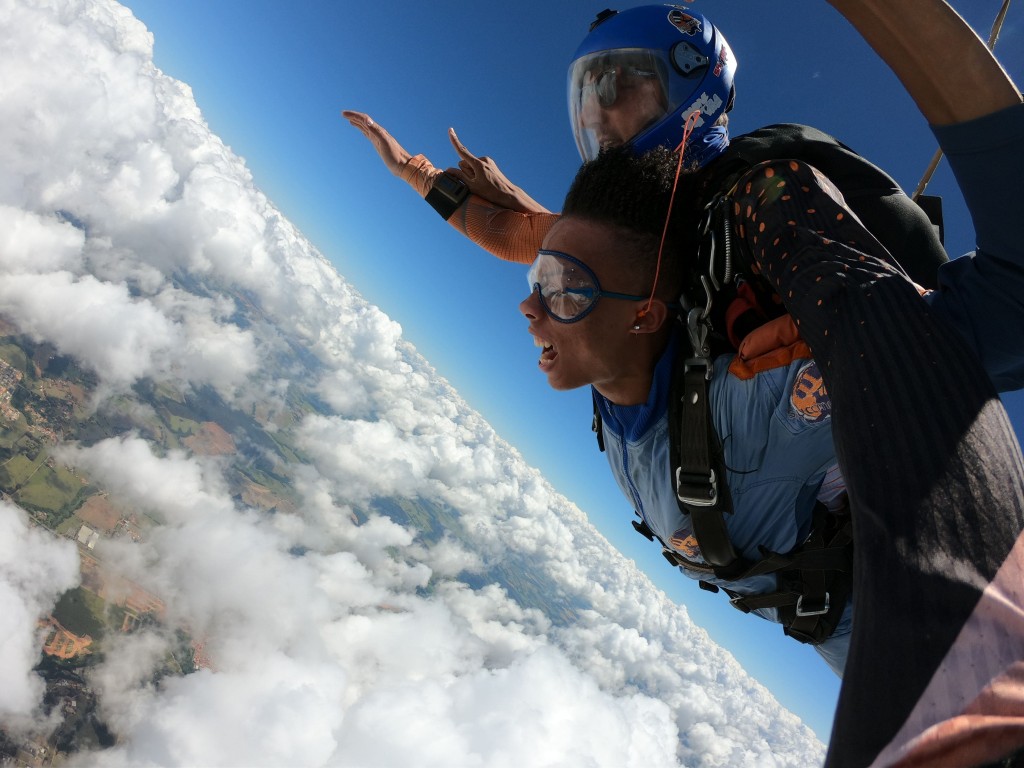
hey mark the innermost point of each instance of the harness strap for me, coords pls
(596, 424)
(701, 489)
(810, 604)
(814, 580)
(696, 481)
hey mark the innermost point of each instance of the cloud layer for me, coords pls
(133, 240)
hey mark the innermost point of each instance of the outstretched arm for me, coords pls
(417, 171)
(938, 57)
(934, 473)
(498, 216)
(480, 174)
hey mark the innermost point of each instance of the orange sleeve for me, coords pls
(507, 234)
(419, 173)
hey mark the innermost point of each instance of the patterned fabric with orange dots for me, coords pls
(935, 673)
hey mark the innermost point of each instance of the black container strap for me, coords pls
(696, 480)
(597, 425)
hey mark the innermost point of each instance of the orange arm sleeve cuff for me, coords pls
(419, 173)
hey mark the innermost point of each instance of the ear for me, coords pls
(651, 318)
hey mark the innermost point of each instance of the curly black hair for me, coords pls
(632, 194)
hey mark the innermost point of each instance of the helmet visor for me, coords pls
(616, 95)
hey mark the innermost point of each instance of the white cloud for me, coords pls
(277, 713)
(35, 569)
(540, 711)
(136, 241)
(33, 244)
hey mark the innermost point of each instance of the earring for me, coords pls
(636, 327)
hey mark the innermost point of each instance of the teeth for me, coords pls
(547, 349)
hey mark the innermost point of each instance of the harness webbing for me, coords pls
(814, 580)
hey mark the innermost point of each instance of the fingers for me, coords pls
(356, 118)
(467, 169)
(360, 120)
(464, 153)
(469, 165)
(363, 122)
(375, 132)
(459, 174)
(391, 152)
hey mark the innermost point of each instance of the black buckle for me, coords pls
(644, 529)
(739, 603)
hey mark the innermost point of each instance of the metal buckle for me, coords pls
(800, 607)
(697, 329)
(708, 501)
(699, 362)
(737, 603)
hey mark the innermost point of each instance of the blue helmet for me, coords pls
(640, 73)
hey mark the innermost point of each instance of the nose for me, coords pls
(530, 306)
(591, 113)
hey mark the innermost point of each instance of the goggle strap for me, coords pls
(688, 126)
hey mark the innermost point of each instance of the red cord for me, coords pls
(688, 126)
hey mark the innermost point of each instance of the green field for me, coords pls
(52, 490)
(14, 355)
(81, 613)
(20, 469)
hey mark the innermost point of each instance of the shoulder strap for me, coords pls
(700, 480)
(695, 453)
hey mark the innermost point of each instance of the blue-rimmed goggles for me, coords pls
(567, 287)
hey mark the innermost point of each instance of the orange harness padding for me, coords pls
(775, 344)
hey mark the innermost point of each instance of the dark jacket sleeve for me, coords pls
(982, 293)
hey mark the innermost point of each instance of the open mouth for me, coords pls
(547, 354)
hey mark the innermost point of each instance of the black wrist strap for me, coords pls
(446, 195)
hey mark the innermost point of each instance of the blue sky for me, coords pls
(272, 77)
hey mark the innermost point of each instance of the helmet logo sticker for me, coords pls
(706, 105)
(723, 59)
(810, 399)
(684, 22)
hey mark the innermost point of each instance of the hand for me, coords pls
(391, 152)
(483, 177)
